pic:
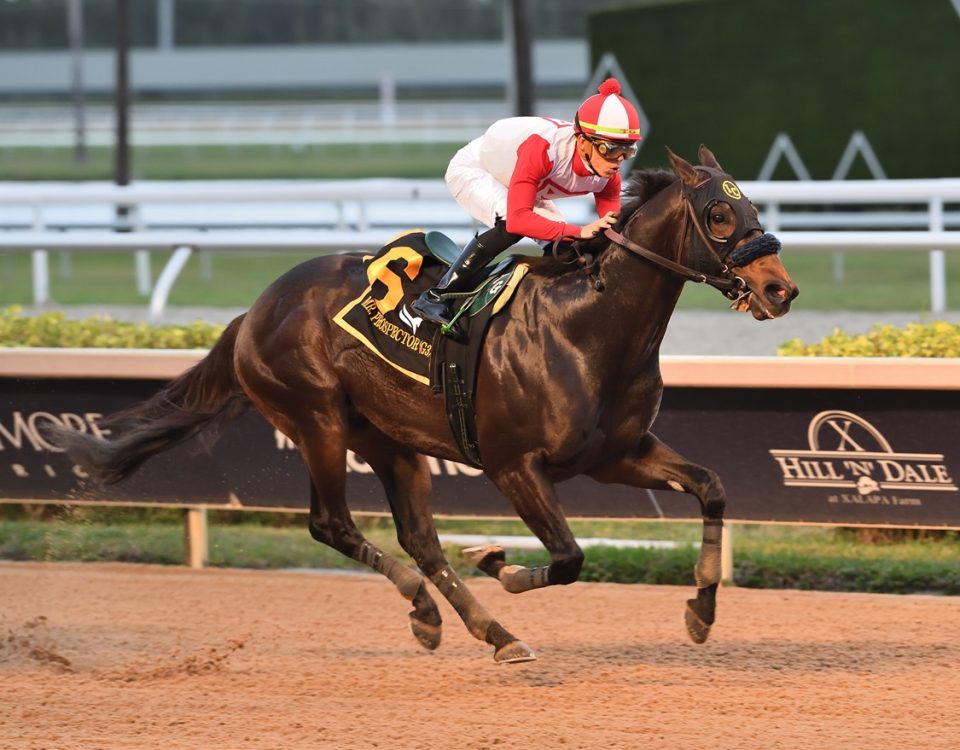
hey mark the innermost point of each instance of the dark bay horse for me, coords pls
(569, 383)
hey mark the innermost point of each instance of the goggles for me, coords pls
(610, 150)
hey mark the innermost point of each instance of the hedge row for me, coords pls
(937, 339)
(765, 570)
(55, 330)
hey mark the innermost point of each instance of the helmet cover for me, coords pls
(608, 115)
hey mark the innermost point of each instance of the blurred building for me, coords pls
(335, 48)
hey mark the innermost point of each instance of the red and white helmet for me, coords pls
(608, 115)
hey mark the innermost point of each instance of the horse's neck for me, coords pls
(639, 297)
(637, 303)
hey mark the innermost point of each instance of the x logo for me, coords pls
(843, 429)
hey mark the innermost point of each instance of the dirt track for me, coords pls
(123, 656)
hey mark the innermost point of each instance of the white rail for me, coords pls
(344, 215)
(809, 192)
(42, 195)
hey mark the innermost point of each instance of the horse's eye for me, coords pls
(717, 218)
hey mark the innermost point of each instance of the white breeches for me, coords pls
(480, 193)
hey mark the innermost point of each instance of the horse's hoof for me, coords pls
(427, 635)
(513, 653)
(698, 629)
(484, 555)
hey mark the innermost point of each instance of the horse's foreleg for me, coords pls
(653, 465)
(406, 478)
(534, 498)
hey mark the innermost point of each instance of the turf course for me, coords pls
(872, 281)
(323, 162)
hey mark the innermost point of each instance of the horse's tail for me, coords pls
(202, 399)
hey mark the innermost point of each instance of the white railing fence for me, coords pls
(346, 215)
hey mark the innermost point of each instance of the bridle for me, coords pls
(704, 196)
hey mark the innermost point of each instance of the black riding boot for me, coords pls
(479, 251)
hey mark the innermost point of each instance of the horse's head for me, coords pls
(728, 239)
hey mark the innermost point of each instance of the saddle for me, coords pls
(487, 284)
(381, 318)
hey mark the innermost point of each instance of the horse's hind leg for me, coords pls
(406, 478)
(322, 443)
(338, 530)
(654, 465)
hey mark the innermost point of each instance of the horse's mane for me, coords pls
(641, 187)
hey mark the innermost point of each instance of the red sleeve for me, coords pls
(532, 166)
(608, 199)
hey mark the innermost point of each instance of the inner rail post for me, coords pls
(726, 555)
(938, 262)
(195, 537)
(39, 261)
(169, 274)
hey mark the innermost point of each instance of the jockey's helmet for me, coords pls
(608, 115)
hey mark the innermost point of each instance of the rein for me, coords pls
(732, 286)
(723, 283)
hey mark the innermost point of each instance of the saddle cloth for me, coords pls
(381, 317)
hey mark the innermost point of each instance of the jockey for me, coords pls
(506, 179)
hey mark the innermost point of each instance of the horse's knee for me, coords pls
(566, 569)
(713, 498)
(715, 507)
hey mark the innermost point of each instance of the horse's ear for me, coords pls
(707, 158)
(684, 169)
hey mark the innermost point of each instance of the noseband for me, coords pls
(704, 196)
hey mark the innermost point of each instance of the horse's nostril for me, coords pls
(775, 292)
(780, 293)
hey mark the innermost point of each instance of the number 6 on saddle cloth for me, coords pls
(382, 320)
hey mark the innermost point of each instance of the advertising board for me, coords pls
(809, 455)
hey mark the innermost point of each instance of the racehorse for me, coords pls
(568, 383)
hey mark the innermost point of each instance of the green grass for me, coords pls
(421, 160)
(877, 281)
(806, 557)
(235, 280)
